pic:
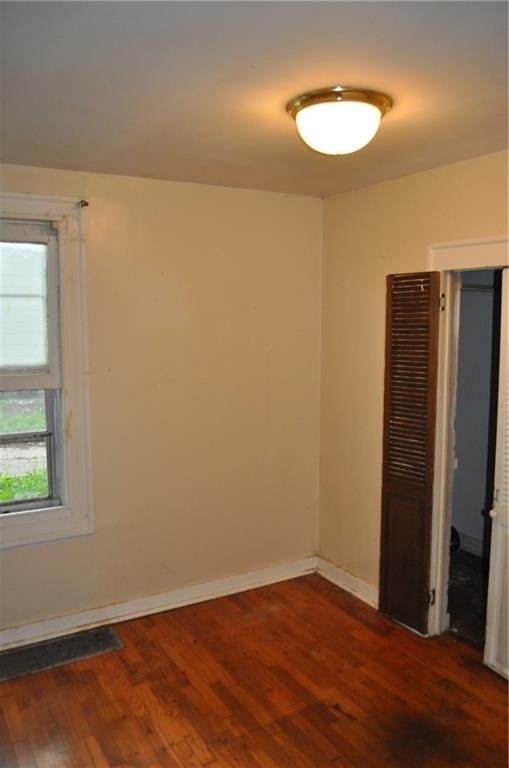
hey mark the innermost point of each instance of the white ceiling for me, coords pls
(195, 91)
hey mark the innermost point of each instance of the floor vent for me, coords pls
(57, 652)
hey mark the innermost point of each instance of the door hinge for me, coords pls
(432, 596)
(441, 302)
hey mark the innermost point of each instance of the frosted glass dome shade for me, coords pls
(338, 127)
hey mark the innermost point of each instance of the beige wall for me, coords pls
(204, 344)
(368, 234)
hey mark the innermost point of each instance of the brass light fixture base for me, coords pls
(338, 93)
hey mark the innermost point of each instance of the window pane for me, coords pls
(23, 471)
(23, 305)
(22, 412)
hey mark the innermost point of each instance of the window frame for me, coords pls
(74, 516)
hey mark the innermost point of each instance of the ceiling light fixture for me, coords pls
(337, 120)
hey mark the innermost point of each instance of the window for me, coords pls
(43, 430)
(31, 474)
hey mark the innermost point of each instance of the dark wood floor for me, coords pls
(295, 675)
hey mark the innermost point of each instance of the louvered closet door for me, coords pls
(496, 646)
(409, 436)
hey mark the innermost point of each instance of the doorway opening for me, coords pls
(471, 499)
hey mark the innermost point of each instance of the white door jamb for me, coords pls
(450, 258)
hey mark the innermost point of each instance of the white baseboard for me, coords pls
(346, 581)
(470, 544)
(143, 606)
(196, 593)
(499, 669)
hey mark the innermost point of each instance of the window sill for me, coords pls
(40, 525)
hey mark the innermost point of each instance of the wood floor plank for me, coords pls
(24, 755)
(296, 675)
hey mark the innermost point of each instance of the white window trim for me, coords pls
(75, 517)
